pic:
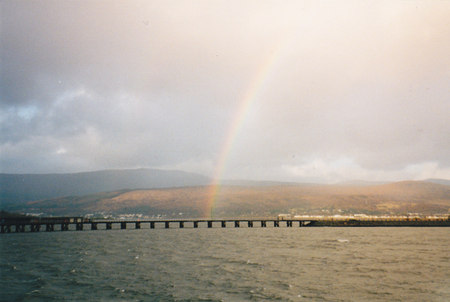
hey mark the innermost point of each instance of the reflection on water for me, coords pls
(288, 264)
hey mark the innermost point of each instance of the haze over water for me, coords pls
(273, 264)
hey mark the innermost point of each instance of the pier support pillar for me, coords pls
(93, 226)
(123, 225)
(181, 224)
(236, 223)
(250, 224)
(195, 224)
(289, 223)
(152, 224)
(137, 225)
(300, 224)
(209, 224)
(64, 226)
(20, 228)
(6, 228)
(167, 224)
(79, 226)
(35, 227)
(49, 227)
(224, 224)
(276, 224)
(108, 225)
(263, 224)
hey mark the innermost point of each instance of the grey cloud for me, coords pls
(357, 87)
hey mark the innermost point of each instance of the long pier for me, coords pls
(79, 224)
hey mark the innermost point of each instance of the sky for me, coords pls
(307, 91)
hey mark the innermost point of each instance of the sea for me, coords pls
(230, 264)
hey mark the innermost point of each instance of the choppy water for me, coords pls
(284, 264)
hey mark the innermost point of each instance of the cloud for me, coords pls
(358, 90)
(333, 171)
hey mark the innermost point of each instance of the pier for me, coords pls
(62, 224)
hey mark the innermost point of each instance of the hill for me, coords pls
(20, 188)
(439, 181)
(392, 198)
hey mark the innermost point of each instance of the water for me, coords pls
(279, 264)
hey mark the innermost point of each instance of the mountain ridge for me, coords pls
(20, 188)
(154, 191)
(392, 198)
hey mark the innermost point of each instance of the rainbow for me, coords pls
(251, 94)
